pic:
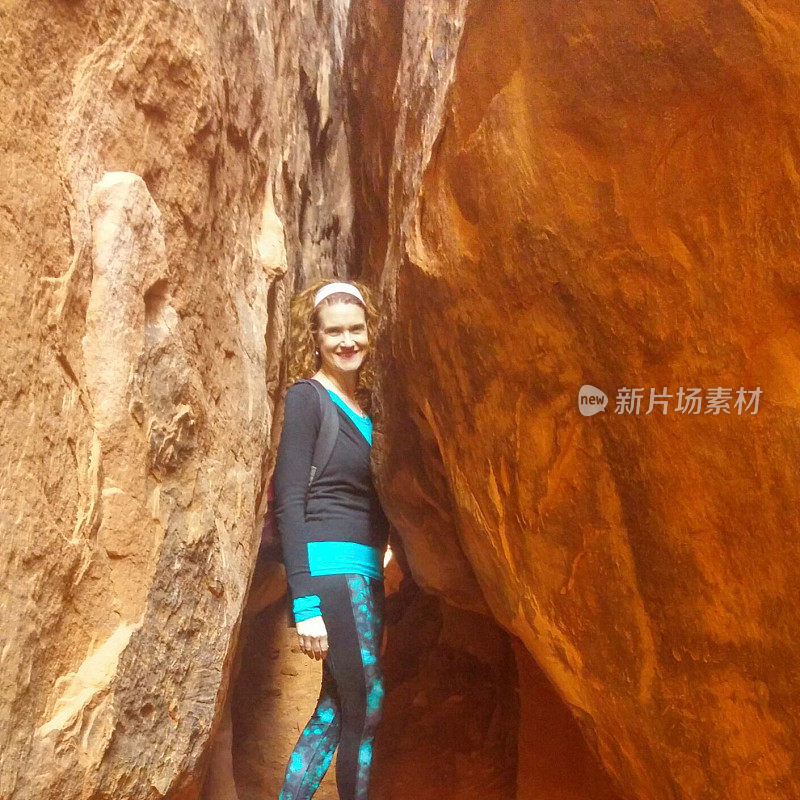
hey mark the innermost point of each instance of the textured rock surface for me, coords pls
(602, 193)
(161, 182)
(553, 761)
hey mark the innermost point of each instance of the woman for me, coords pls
(334, 536)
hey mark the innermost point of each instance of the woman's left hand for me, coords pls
(312, 636)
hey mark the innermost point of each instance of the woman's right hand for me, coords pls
(313, 637)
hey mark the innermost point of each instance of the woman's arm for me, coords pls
(301, 424)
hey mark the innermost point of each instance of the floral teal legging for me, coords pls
(351, 698)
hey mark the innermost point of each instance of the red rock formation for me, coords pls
(162, 169)
(604, 193)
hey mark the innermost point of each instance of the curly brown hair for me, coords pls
(304, 327)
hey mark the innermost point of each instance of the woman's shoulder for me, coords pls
(302, 393)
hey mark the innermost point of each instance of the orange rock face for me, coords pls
(607, 194)
(161, 175)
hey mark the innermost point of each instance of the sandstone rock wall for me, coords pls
(602, 193)
(169, 172)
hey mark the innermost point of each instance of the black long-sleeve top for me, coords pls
(341, 505)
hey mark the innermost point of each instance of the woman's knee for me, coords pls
(374, 710)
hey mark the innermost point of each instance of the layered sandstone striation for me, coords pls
(164, 167)
(601, 193)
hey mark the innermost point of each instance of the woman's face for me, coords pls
(342, 339)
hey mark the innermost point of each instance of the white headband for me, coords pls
(332, 288)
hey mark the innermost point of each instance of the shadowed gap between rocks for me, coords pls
(467, 710)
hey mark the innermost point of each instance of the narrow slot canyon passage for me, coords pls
(467, 711)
